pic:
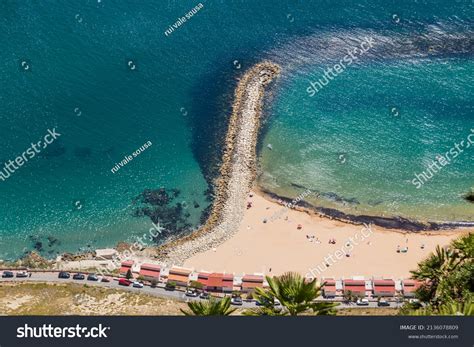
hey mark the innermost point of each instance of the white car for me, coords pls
(191, 293)
(362, 302)
(237, 300)
(22, 274)
(137, 284)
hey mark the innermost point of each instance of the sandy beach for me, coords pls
(278, 246)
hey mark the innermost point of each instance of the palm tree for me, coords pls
(295, 294)
(457, 309)
(448, 276)
(212, 307)
(449, 309)
(446, 272)
(433, 271)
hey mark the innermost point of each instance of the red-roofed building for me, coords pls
(179, 275)
(250, 282)
(202, 278)
(217, 282)
(409, 287)
(357, 287)
(329, 287)
(126, 265)
(385, 287)
(228, 283)
(150, 272)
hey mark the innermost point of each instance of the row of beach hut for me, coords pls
(227, 283)
(210, 281)
(375, 287)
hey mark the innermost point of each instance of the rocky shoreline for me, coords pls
(237, 172)
(397, 223)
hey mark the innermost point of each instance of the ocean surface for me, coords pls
(105, 75)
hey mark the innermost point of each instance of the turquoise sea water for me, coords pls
(106, 76)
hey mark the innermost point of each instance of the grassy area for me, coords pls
(356, 311)
(81, 299)
(75, 299)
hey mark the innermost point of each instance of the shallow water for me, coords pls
(108, 79)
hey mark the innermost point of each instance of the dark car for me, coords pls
(92, 277)
(7, 274)
(204, 295)
(78, 276)
(64, 274)
(383, 302)
(105, 279)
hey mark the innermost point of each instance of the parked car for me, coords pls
(22, 274)
(362, 302)
(124, 282)
(414, 301)
(236, 300)
(78, 276)
(105, 279)
(64, 274)
(204, 295)
(7, 274)
(383, 302)
(92, 277)
(191, 293)
(137, 284)
(276, 303)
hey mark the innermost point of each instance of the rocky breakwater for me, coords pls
(237, 172)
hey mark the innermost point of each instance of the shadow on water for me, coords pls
(208, 119)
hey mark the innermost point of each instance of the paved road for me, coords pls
(157, 291)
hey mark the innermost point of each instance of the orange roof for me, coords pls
(252, 281)
(228, 281)
(215, 280)
(179, 271)
(354, 283)
(150, 270)
(126, 265)
(328, 282)
(384, 283)
(178, 278)
(218, 280)
(411, 285)
(203, 277)
(252, 278)
(356, 286)
(248, 285)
